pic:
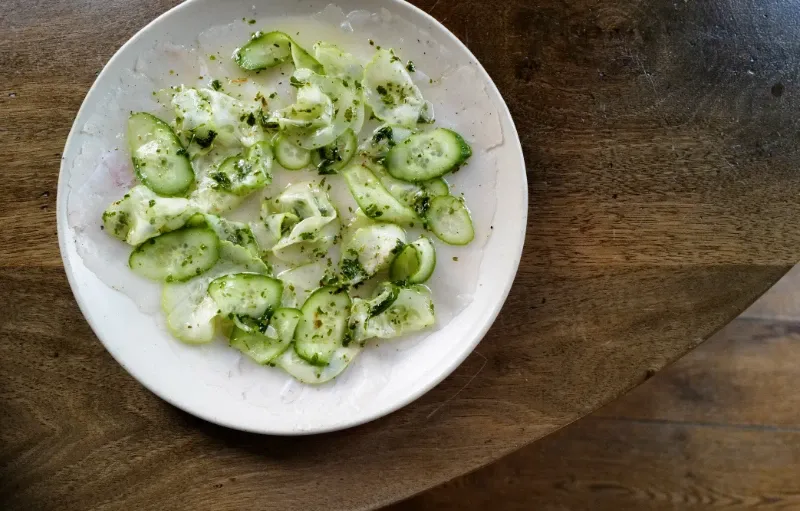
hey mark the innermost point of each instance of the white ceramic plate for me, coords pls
(213, 382)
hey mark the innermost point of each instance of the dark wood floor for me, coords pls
(720, 428)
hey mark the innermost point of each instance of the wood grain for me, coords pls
(660, 144)
(718, 429)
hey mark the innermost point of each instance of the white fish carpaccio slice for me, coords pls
(102, 172)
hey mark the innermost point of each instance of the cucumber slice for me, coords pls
(428, 155)
(249, 299)
(416, 196)
(236, 233)
(209, 119)
(285, 321)
(370, 250)
(272, 227)
(337, 63)
(206, 197)
(412, 311)
(159, 160)
(436, 187)
(191, 313)
(362, 310)
(244, 174)
(321, 330)
(303, 60)
(312, 111)
(416, 262)
(393, 311)
(325, 108)
(141, 215)
(314, 375)
(264, 51)
(176, 256)
(382, 140)
(390, 91)
(303, 199)
(289, 156)
(386, 296)
(331, 159)
(262, 348)
(260, 156)
(373, 198)
(310, 239)
(449, 219)
(317, 230)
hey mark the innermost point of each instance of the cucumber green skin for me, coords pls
(374, 199)
(306, 373)
(306, 329)
(440, 206)
(262, 349)
(299, 164)
(303, 60)
(399, 271)
(346, 152)
(397, 158)
(273, 288)
(139, 257)
(391, 297)
(268, 40)
(174, 149)
(260, 154)
(285, 321)
(425, 266)
(436, 187)
(256, 165)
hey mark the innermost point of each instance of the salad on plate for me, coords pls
(291, 275)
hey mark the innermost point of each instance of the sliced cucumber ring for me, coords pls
(428, 155)
(321, 330)
(264, 51)
(390, 91)
(249, 299)
(262, 348)
(416, 262)
(159, 160)
(374, 199)
(449, 219)
(285, 322)
(411, 311)
(436, 187)
(307, 373)
(240, 175)
(333, 158)
(290, 156)
(393, 311)
(303, 60)
(370, 250)
(176, 256)
(259, 347)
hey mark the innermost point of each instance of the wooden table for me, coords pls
(661, 143)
